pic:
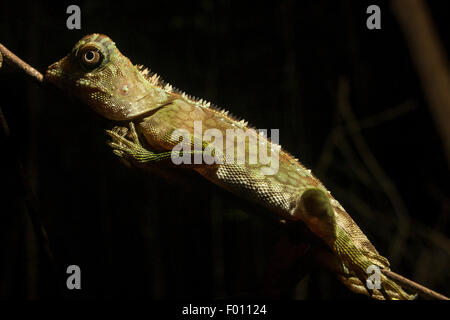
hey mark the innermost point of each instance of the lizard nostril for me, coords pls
(124, 90)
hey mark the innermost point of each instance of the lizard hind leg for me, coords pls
(319, 216)
(317, 213)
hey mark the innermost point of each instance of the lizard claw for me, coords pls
(118, 153)
(125, 144)
(134, 135)
(120, 141)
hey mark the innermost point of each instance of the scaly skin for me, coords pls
(97, 73)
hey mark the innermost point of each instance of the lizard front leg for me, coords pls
(133, 149)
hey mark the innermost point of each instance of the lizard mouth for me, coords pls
(51, 72)
(60, 75)
(55, 76)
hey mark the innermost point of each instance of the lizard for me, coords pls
(98, 74)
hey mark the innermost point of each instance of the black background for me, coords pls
(278, 65)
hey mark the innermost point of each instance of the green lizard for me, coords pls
(97, 73)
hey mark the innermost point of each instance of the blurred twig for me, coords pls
(426, 233)
(430, 59)
(335, 136)
(375, 168)
(387, 115)
(354, 127)
(354, 162)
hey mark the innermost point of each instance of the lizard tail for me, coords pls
(359, 270)
(356, 262)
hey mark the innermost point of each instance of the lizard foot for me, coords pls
(130, 148)
(123, 132)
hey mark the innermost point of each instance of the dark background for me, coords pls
(281, 64)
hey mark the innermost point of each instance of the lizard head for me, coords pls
(96, 72)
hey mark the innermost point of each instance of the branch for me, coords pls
(12, 59)
(423, 291)
(15, 61)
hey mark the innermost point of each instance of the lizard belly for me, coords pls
(249, 183)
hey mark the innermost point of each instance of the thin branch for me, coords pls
(424, 291)
(12, 59)
(388, 115)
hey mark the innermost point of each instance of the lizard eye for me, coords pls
(91, 57)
